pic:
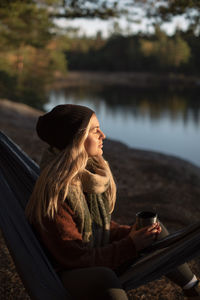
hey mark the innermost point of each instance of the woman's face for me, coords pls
(94, 141)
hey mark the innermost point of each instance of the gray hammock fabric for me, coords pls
(18, 174)
(164, 256)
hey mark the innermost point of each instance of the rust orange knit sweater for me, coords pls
(67, 250)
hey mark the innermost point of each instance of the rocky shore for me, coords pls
(145, 180)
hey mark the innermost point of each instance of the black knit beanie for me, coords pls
(59, 127)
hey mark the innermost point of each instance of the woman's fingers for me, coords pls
(151, 234)
(152, 230)
(150, 227)
(145, 236)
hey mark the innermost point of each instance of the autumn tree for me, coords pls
(168, 51)
(30, 50)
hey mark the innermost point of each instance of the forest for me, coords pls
(33, 48)
(139, 52)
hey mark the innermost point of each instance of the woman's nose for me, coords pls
(103, 136)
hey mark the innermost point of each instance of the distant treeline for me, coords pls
(28, 65)
(141, 52)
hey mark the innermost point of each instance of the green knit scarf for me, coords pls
(91, 215)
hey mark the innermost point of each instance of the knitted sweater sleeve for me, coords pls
(64, 243)
(118, 232)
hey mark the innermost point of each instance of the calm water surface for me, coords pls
(163, 121)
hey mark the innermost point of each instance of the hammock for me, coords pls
(18, 174)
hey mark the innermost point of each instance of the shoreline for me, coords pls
(129, 79)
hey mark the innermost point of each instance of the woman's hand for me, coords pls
(144, 237)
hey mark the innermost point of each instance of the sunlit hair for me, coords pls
(53, 183)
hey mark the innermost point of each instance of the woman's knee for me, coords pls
(107, 277)
(109, 285)
(93, 283)
(98, 276)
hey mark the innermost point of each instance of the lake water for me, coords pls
(160, 120)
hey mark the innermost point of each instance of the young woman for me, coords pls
(71, 207)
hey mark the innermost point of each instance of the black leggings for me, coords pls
(102, 283)
(182, 274)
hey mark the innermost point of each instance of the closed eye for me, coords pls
(96, 130)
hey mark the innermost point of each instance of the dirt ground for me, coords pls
(144, 179)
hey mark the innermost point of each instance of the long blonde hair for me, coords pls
(53, 183)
